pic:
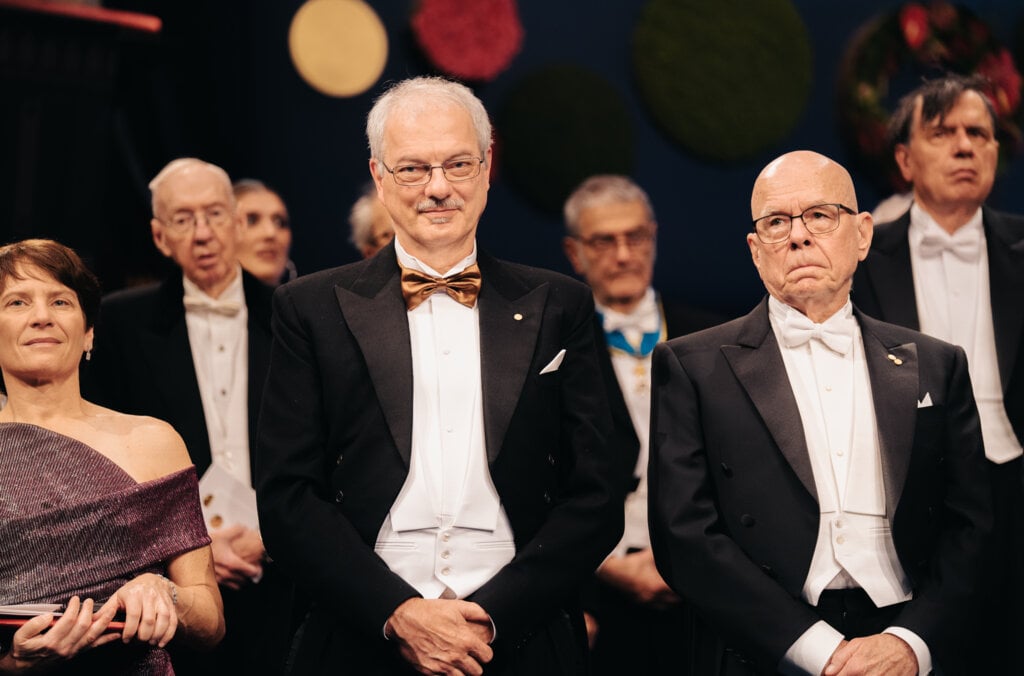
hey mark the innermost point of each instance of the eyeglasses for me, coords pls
(216, 216)
(635, 240)
(821, 219)
(459, 169)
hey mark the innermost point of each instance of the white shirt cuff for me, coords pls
(917, 644)
(810, 653)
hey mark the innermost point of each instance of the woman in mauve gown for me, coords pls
(99, 511)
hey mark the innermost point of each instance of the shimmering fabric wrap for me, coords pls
(73, 522)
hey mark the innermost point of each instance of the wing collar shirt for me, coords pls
(218, 335)
(447, 533)
(954, 303)
(632, 365)
(854, 546)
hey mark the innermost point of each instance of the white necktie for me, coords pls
(836, 332)
(964, 246)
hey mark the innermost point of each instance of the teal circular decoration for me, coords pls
(725, 79)
(558, 126)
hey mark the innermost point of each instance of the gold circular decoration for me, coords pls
(339, 47)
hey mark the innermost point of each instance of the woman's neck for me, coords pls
(43, 402)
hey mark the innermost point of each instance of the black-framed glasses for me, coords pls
(821, 219)
(458, 169)
(635, 240)
(216, 216)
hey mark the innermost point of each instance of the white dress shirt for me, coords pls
(447, 533)
(633, 372)
(954, 303)
(220, 353)
(854, 546)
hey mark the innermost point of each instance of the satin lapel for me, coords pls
(257, 303)
(758, 366)
(169, 353)
(376, 315)
(893, 373)
(892, 275)
(510, 320)
(1006, 283)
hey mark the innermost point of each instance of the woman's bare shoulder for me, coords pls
(145, 447)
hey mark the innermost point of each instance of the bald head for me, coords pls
(809, 236)
(798, 171)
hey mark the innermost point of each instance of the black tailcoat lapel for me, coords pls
(758, 366)
(376, 315)
(510, 319)
(1006, 287)
(893, 374)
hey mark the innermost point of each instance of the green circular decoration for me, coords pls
(724, 79)
(558, 126)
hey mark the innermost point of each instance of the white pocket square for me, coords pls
(926, 402)
(554, 364)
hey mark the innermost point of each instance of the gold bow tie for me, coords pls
(463, 287)
(228, 308)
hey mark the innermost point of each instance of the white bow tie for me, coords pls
(836, 333)
(966, 248)
(228, 308)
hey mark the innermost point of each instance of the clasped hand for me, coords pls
(637, 575)
(440, 636)
(150, 617)
(237, 556)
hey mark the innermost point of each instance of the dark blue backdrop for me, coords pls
(224, 89)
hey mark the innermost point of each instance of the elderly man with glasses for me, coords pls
(634, 620)
(193, 350)
(435, 438)
(817, 478)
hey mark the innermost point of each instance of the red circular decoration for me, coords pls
(469, 40)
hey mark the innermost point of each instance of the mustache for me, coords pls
(431, 203)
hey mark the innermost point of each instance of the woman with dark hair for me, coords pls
(266, 232)
(99, 511)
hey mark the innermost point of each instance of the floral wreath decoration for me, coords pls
(928, 38)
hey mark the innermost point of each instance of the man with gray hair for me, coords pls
(635, 622)
(371, 224)
(434, 466)
(193, 350)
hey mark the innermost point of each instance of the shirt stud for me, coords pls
(518, 317)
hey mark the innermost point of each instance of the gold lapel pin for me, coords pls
(518, 317)
(894, 359)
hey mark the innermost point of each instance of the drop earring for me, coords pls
(88, 355)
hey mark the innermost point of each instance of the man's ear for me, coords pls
(865, 232)
(902, 157)
(755, 251)
(160, 237)
(377, 174)
(571, 247)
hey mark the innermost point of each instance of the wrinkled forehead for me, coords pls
(194, 187)
(795, 185)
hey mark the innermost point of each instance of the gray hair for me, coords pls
(182, 164)
(361, 217)
(598, 191)
(423, 93)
